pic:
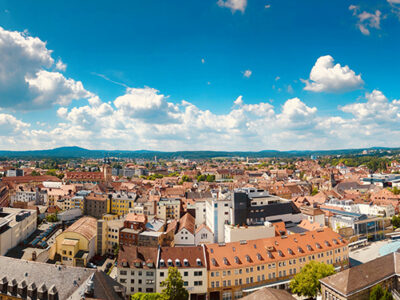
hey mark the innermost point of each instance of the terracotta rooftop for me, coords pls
(193, 255)
(86, 226)
(187, 222)
(249, 253)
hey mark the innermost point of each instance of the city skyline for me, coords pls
(227, 75)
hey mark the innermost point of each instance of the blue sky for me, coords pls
(113, 74)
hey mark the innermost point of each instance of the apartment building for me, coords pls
(122, 203)
(190, 262)
(218, 213)
(168, 209)
(96, 205)
(136, 269)
(33, 195)
(238, 268)
(15, 226)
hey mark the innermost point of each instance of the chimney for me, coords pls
(3, 285)
(42, 292)
(89, 289)
(12, 287)
(53, 293)
(22, 289)
(32, 290)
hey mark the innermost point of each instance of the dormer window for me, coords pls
(185, 262)
(335, 241)
(225, 261)
(300, 249)
(280, 253)
(162, 263)
(259, 256)
(177, 263)
(213, 261)
(327, 243)
(237, 260)
(318, 245)
(270, 254)
(248, 258)
(198, 261)
(170, 262)
(290, 251)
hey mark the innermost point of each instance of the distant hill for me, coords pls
(77, 152)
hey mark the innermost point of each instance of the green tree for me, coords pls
(51, 172)
(52, 218)
(396, 221)
(314, 191)
(306, 282)
(173, 286)
(146, 296)
(116, 249)
(35, 173)
(379, 293)
(210, 178)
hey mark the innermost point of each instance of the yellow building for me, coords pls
(77, 244)
(239, 268)
(121, 203)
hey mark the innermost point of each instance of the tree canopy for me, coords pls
(306, 282)
(173, 286)
(379, 293)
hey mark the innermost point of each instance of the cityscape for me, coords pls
(202, 150)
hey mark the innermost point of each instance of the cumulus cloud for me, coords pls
(367, 20)
(234, 5)
(247, 73)
(327, 77)
(247, 126)
(26, 81)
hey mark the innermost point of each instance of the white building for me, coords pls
(203, 235)
(243, 233)
(186, 230)
(15, 226)
(190, 262)
(218, 213)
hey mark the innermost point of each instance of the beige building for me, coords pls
(77, 244)
(168, 209)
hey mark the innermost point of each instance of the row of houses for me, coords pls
(230, 270)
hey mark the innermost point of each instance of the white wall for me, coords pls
(184, 237)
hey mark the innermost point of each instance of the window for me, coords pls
(122, 272)
(198, 273)
(186, 273)
(185, 283)
(132, 280)
(198, 283)
(161, 274)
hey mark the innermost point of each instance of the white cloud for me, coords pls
(234, 5)
(25, 80)
(239, 100)
(203, 60)
(247, 73)
(61, 66)
(366, 20)
(327, 77)
(267, 6)
(277, 78)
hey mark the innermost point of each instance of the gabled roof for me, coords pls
(187, 222)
